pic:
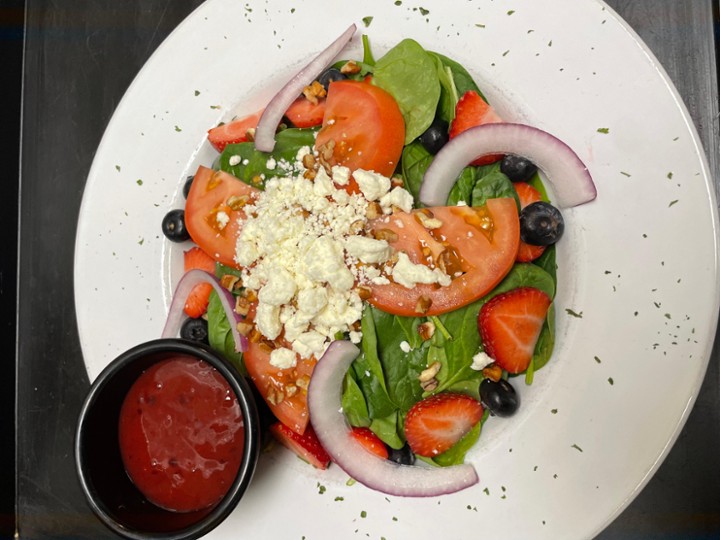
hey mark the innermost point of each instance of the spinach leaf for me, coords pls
(401, 369)
(353, 402)
(524, 275)
(492, 185)
(387, 429)
(546, 261)
(220, 335)
(463, 80)
(448, 93)
(546, 341)
(415, 161)
(463, 188)
(457, 352)
(369, 371)
(408, 73)
(252, 168)
(455, 455)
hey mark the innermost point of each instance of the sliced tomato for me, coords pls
(366, 125)
(303, 113)
(213, 196)
(233, 132)
(284, 390)
(478, 246)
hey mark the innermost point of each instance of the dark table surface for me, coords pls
(80, 56)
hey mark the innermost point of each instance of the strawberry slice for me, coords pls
(233, 132)
(527, 195)
(370, 441)
(198, 299)
(306, 446)
(436, 423)
(510, 325)
(472, 110)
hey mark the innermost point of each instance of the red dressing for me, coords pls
(182, 434)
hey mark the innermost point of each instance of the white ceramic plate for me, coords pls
(638, 264)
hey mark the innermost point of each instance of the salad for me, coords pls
(376, 251)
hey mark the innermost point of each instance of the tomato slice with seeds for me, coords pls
(284, 390)
(478, 247)
(366, 125)
(213, 196)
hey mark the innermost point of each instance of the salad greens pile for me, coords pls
(383, 383)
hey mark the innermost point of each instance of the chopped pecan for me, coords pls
(429, 222)
(229, 281)
(350, 68)
(423, 305)
(374, 210)
(310, 174)
(308, 161)
(426, 330)
(397, 181)
(430, 385)
(242, 306)
(364, 292)
(492, 372)
(385, 234)
(236, 202)
(290, 390)
(314, 91)
(303, 382)
(244, 328)
(250, 134)
(429, 373)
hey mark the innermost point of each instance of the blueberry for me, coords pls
(173, 226)
(188, 184)
(541, 224)
(404, 456)
(330, 75)
(499, 397)
(435, 137)
(195, 330)
(517, 168)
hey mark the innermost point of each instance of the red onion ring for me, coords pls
(176, 314)
(569, 177)
(271, 117)
(333, 431)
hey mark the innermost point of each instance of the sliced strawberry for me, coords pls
(198, 299)
(306, 446)
(303, 113)
(436, 423)
(510, 325)
(472, 110)
(527, 195)
(369, 440)
(233, 132)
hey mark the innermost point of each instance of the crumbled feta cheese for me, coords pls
(312, 300)
(309, 344)
(461, 203)
(480, 361)
(409, 274)
(267, 319)
(222, 219)
(340, 175)
(405, 346)
(283, 358)
(355, 337)
(234, 160)
(368, 250)
(271, 164)
(398, 197)
(371, 184)
(279, 289)
(325, 262)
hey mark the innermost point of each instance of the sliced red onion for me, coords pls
(569, 177)
(333, 431)
(187, 283)
(271, 117)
